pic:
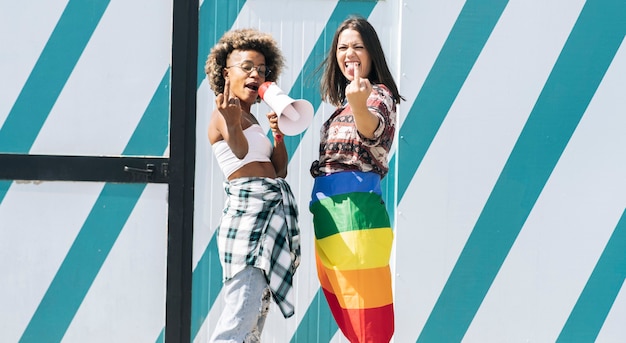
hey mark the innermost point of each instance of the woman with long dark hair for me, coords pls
(352, 228)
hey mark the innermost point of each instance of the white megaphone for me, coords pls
(294, 116)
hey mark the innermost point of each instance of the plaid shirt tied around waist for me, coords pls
(259, 228)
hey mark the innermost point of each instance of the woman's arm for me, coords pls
(279, 158)
(357, 93)
(226, 123)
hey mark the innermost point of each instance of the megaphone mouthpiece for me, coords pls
(294, 116)
(263, 87)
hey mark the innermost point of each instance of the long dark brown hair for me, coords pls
(333, 83)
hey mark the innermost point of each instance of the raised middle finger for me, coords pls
(226, 93)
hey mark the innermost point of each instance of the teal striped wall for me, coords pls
(565, 78)
(100, 264)
(507, 185)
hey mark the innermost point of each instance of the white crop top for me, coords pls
(259, 150)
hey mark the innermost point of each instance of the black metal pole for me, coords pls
(181, 171)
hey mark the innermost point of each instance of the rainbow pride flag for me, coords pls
(353, 241)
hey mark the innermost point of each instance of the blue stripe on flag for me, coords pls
(586, 56)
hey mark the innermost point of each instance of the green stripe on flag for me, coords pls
(366, 209)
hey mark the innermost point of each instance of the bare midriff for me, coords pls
(255, 169)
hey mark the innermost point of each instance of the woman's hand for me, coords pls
(359, 89)
(272, 117)
(279, 154)
(230, 108)
(357, 93)
(230, 128)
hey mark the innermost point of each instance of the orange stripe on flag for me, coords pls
(321, 275)
(358, 289)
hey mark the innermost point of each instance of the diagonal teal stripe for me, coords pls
(82, 263)
(206, 285)
(216, 17)
(441, 87)
(100, 230)
(151, 136)
(588, 52)
(48, 77)
(161, 338)
(388, 185)
(443, 83)
(4, 188)
(389, 189)
(317, 322)
(594, 304)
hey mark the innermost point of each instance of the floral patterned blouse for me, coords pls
(343, 148)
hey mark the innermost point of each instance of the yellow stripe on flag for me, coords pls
(363, 249)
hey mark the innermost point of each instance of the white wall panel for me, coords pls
(112, 84)
(24, 31)
(572, 221)
(539, 281)
(39, 222)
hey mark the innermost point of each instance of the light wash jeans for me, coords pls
(247, 300)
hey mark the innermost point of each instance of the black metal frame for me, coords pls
(123, 169)
(178, 171)
(182, 171)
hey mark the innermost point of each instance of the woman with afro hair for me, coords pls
(258, 236)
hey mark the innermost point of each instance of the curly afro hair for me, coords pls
(242, 39)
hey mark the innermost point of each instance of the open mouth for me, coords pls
(351, 66)
(253, 86)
